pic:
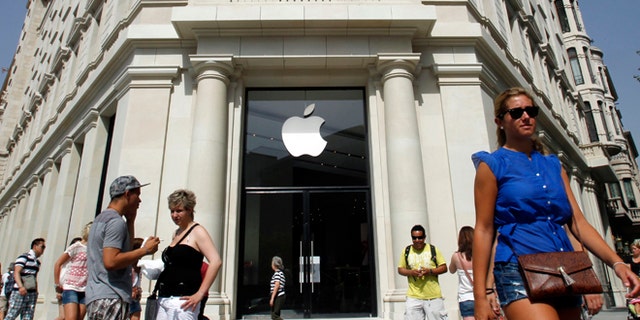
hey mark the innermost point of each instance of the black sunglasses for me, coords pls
(516, 113)
(418, 237)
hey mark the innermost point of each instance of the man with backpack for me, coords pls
(421, 266)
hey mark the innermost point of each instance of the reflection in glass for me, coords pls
(344, 159)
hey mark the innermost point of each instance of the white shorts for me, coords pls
(169, 309)
(433, 309)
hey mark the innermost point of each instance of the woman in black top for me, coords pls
(181, 286)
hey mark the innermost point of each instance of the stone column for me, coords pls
(33, 190)
(406, 185)
(64, 191)
(49, 176)
(207, 175)
(592, 213)
(20, 225)
(90, 172)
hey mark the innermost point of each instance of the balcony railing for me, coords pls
(618, 208)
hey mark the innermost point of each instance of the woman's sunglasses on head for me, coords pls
(516, 113)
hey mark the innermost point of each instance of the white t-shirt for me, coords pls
(5, 277)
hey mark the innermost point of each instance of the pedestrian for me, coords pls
(462, 265)
(135, 309)
(181, 287)
(6, 289)
(421, 263)
(109, 254)
(525, 197)
(25, 290)
(70, 277)
(277, 288)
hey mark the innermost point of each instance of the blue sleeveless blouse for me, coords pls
(531, 205)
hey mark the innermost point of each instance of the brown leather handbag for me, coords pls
(558, 274)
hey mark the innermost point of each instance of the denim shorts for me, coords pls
(134, 307)
(466, 308)
(70, 296)
(511, 287)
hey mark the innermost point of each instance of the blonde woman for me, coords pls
(74, 282)
(181, 286)
(524, 196)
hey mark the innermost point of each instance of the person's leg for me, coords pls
(71, 311)
(434, 309)
(70, 301)
(413, 309)
(170, 309)
(523, 309)
(277, 307)
(30, 307)
(3, 307)
(82, 311)
(16, 304)
(82, 307)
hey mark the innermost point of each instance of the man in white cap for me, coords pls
(109, 254)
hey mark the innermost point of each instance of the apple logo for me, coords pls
(302, 135)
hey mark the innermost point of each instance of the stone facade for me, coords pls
(156, 88)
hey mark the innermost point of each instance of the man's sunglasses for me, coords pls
(516, 113)
(418, 237)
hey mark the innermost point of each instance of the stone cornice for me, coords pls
(146, 77)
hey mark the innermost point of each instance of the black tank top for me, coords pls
(181, 275)
(635, 267)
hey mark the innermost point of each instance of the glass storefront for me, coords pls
(313, 211)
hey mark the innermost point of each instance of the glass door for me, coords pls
(323, 237)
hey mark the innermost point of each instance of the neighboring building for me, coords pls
(195, 93)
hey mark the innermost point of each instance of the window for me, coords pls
(575, 15)
(575, 66)
(628, 190)
(614, 190)
(587, 58)
(604, 120)
(562, 16)
(602, 79)
(591, 123)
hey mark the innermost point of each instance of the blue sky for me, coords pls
(613, 26)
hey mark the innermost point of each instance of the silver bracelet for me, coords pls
(613, 266)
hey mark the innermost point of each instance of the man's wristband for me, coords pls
(489, 291)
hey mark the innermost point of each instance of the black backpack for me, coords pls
(8, 286)
(433, 255)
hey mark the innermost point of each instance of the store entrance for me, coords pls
(306, 198)
(323, 237)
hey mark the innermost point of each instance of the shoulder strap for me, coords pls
(186, 234)
(433, 255)
(406, 255)
(460, 266)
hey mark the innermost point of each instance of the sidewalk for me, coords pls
(611, 314)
